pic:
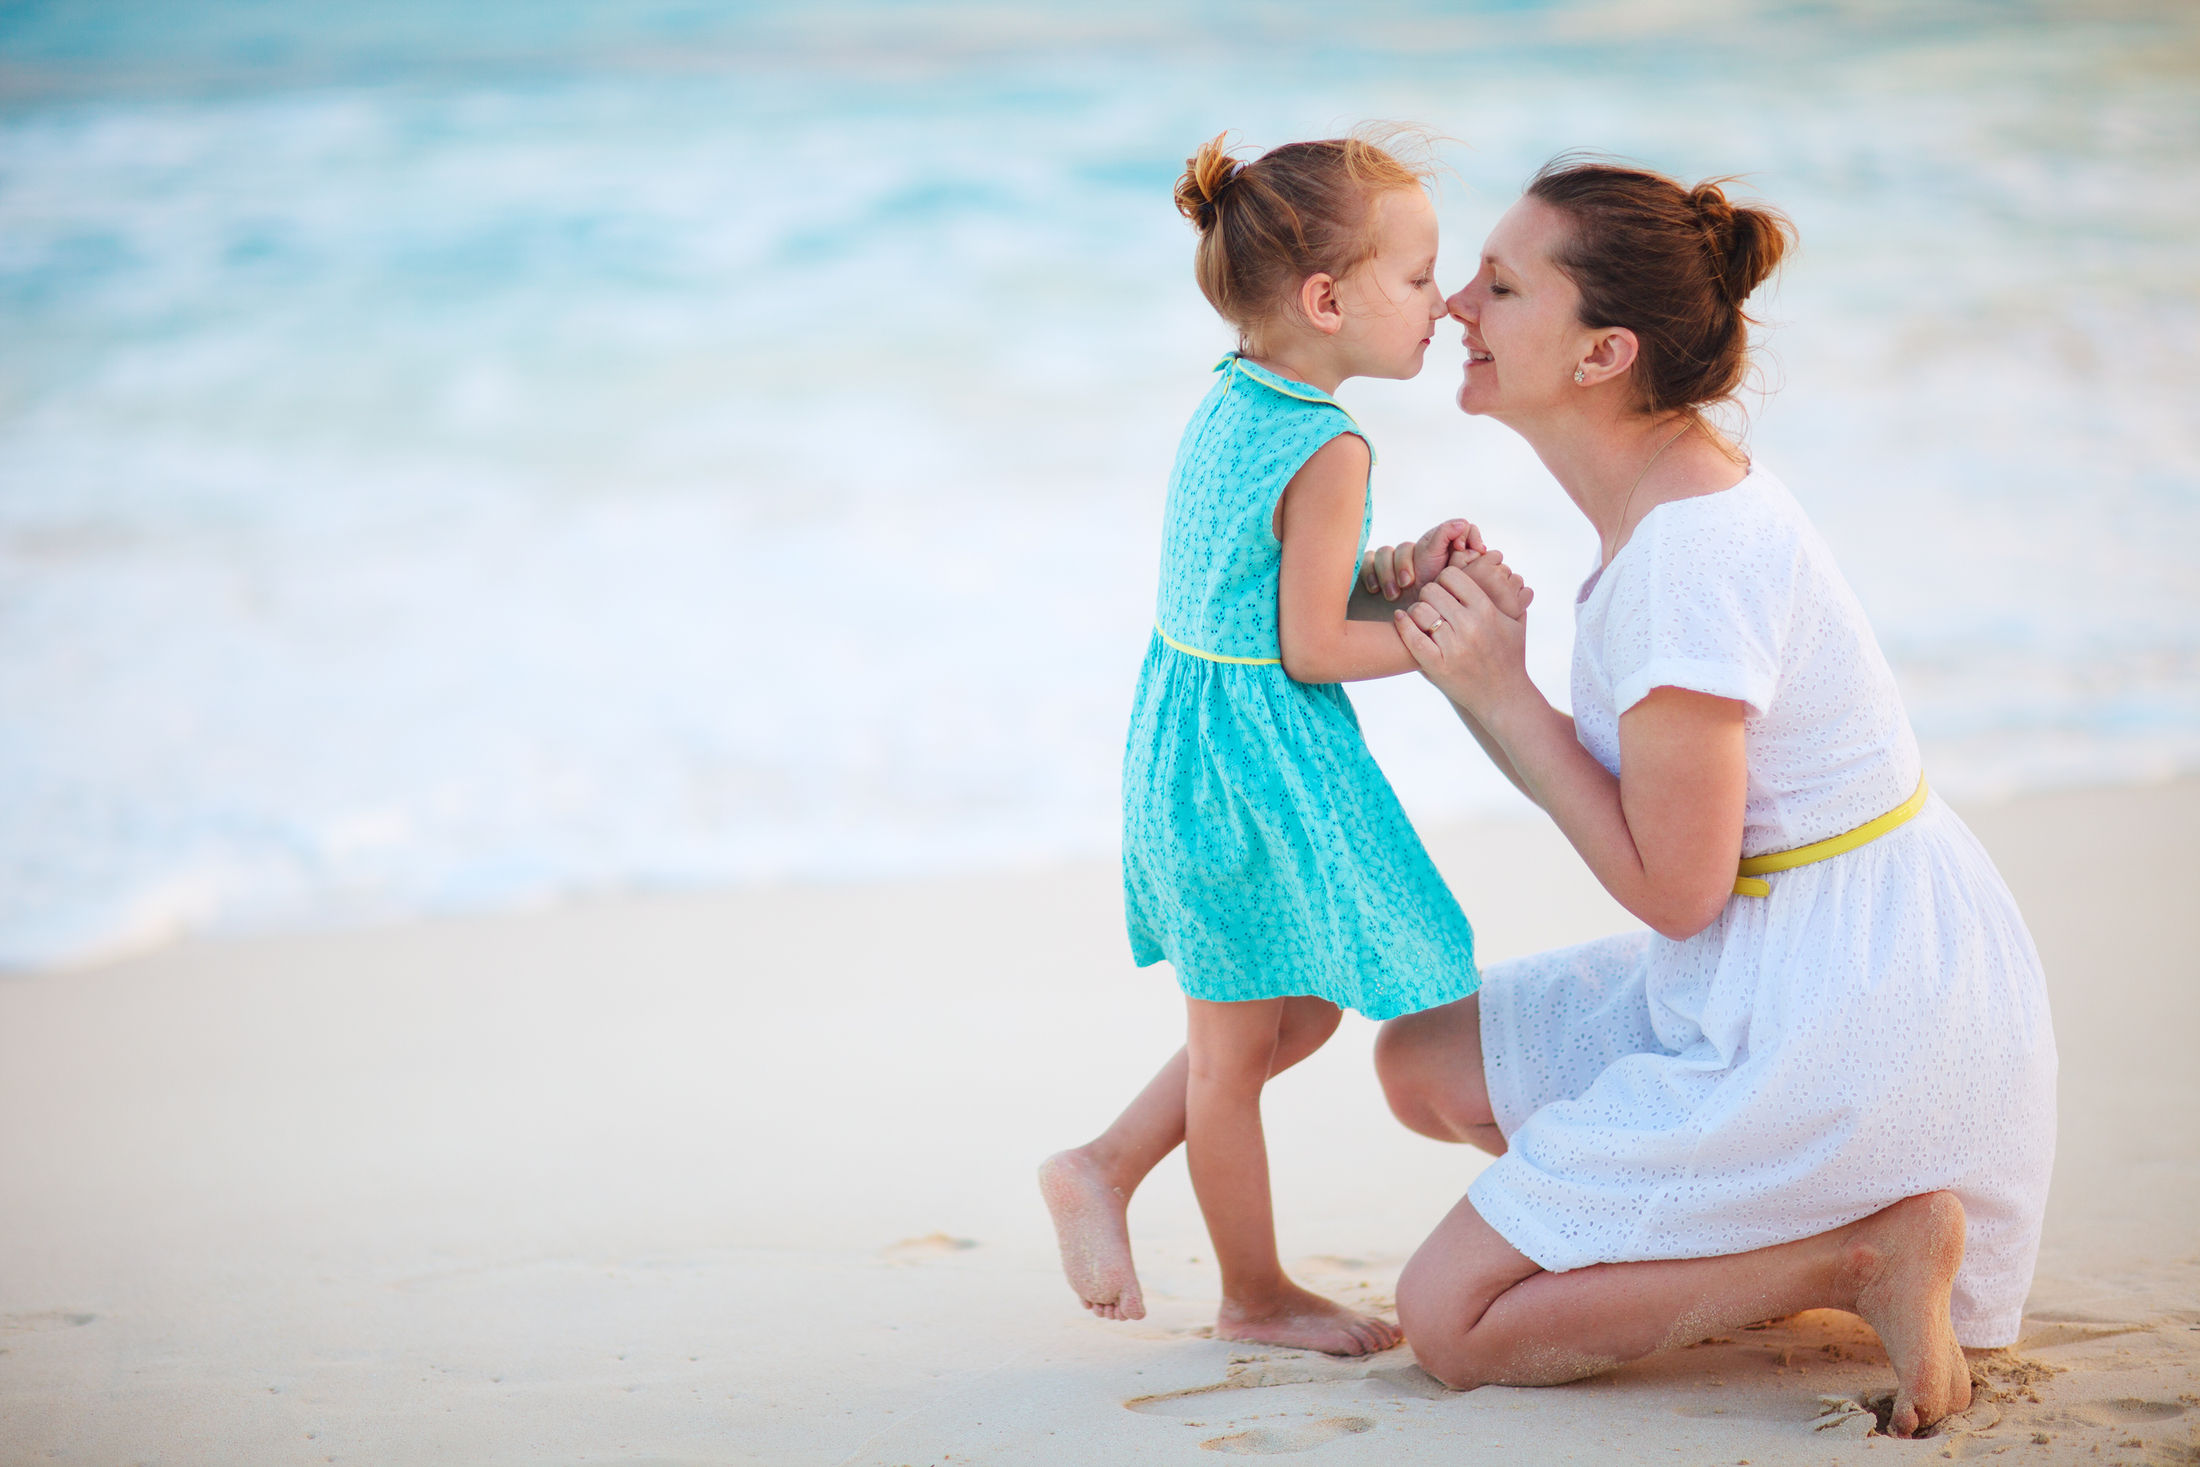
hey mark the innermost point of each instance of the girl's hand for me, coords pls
(1498, 581)
(1393, 569)
(1474, 653)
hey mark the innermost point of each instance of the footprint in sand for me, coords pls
(2126, 1411)
(930, 1246)
(1269, 1441)
(1259, 1372)
(17, 1324)
(2046, 1336)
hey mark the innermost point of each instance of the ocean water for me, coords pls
(456, 457)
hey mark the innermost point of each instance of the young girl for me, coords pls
(1264, 855)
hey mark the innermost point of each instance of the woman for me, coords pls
(1827, 1086)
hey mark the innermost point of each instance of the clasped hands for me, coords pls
(1467, 628)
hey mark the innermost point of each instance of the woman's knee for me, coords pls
(1430, 1068)
(1444, 1293)
(1436, 1322)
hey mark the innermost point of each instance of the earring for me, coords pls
(1580, 376)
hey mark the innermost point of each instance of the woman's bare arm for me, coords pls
(1389, 572)
(1495, 750)
(1664, 837)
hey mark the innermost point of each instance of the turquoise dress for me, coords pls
(1264, 854)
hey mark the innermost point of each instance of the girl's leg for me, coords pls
(1479, 1312)
(1088, 1189)
(1231, 1053)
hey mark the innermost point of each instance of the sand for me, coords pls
(746, 1178)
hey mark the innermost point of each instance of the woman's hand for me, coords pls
(1663, 841)
(1462, 639)
(1391, 570)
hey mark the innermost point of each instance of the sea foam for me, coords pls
(449, 468)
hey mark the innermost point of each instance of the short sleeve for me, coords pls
(1705, 605)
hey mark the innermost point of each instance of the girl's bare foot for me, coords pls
(1092, 1227)
(1303, 1320)
(1905, 1259)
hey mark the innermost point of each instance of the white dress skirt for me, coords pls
(1875, 1028)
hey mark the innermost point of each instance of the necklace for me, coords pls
(1629, 502)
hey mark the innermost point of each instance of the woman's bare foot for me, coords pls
(1303, 1320)
(1093, 1229)
(1905, 1259)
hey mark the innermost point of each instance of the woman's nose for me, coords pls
(1455, 306)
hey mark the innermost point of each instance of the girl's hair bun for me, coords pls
(1299, 210)
(1206, 174)
(1746, 244)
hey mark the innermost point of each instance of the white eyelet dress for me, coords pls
(1875, 1028)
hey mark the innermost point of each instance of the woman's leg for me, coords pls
(1231, 1051)
(1088, 1188)
(1478, 1312)
(1430, 1065)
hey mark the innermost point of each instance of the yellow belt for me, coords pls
(1747, 882)
(1217, 656)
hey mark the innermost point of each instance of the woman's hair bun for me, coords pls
(1206, 174)
(1746, 243)
(1673, 264)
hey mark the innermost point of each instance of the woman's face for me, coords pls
(1522, 316)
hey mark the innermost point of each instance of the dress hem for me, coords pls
(1411, 1003)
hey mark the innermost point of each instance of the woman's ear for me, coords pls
(1611, 354)
(1319, 306)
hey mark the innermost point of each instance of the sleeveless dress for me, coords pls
(1875, 1028)
(1264, 854)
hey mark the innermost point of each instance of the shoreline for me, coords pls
(746, 1176)
(1457, 833)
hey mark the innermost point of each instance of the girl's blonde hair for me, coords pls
(1298, 210)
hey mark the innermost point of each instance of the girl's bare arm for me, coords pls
(1318, 521)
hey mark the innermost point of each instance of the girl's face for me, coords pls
(1391, 303)
(1524, 335)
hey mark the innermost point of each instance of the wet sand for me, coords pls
(747, 1178)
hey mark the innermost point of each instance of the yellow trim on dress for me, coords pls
(1216, 656)
(1746, 882)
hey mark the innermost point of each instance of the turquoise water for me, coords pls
(452, 457)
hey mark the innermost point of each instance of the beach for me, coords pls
(569, 581)
(746, 1177)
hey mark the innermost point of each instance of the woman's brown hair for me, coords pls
(1671, 264)
(1299, 210)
